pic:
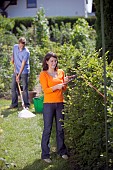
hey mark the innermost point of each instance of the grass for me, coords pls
(21, 142)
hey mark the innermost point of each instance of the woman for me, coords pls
(53, 85)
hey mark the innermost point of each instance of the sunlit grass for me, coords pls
(21, 141)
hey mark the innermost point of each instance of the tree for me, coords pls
(108, 26)
(41, 27)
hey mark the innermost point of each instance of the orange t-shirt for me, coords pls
(47, 82)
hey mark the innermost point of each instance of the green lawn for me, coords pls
(21, 139)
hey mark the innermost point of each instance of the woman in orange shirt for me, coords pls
(53, 86)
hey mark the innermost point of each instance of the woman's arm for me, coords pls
(44, 84)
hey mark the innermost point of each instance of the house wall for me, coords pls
(51, 7)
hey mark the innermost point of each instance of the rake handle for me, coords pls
(21, 95)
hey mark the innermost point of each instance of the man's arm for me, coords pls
(12, 59)
(12, 62)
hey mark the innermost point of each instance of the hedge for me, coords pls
(108, 27)
(27, 21)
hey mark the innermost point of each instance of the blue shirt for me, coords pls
(20, 56)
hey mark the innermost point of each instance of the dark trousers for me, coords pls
(50, 111)
(14, 87)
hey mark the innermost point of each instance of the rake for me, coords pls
(24, 113)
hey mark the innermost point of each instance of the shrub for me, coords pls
(83, 37)
(41, 27)
(28, 21)
(84, 112)
(6, 42)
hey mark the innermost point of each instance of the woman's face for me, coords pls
(52, 62)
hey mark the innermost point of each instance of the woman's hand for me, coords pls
(66, 79)
(58, 86)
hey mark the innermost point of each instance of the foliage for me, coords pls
(68, 57)
(62, 34)
(84, 112)
(6, 35)
(84, 107)
(83, 36)
(38, 32)
(7, 40)
(36, 56)
(28, 21)
(6, 69)
(28, 33)
(66, 19)
(41, 27)
(108, 26)
(110, 109)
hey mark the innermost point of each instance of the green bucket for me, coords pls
(38, 104)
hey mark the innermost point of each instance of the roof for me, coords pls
(5, 3)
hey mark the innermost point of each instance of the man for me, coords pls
(20, 59)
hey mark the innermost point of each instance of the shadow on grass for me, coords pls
(57, 164)
(38, 164)
(7, 112)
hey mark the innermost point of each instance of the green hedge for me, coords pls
(108, 27)
(72, 20)
(27, 21)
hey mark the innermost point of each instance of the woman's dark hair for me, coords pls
(46, 58)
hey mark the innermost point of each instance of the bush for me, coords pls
(58, 20)
(7, 40)
(28, 21)
(36, 57)
(85, 119)
(41, 28)
(108, 27)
